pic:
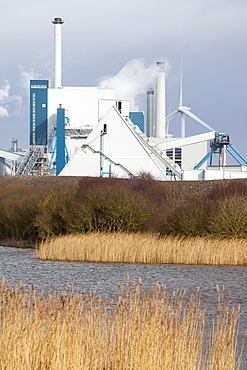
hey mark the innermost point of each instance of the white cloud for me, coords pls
(3, 112)
(4, 92)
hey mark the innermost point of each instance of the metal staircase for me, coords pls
(34, 162)
(130, 174)
(170, 166)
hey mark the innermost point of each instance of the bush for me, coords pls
(115, 209)
(32, 210)
(189, 219)
(53, 214)
(101, 206)
(227, 189)
(229, 217)
(17, 212)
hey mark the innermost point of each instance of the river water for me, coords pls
(20, 265)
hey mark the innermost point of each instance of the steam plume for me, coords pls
(25, 78)
(132, 81)
(4, 98)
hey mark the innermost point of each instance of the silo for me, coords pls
(160, 101)
(150, 112)
(58, 51)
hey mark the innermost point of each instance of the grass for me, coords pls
(144, 248)
(142, 330)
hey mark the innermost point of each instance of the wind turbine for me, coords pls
(185, 111)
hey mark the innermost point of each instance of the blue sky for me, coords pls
(106, 40)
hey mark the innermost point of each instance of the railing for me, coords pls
(153, 147)
(108, 159)
(29, 161)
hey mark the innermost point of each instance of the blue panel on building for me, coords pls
(38, 112)
(138, 119)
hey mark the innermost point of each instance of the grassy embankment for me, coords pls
(143, 330)
(36, 209)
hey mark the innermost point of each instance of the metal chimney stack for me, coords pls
(160, 101)
(150, 112)
(58, 51)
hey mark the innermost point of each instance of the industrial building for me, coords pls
(87, 131)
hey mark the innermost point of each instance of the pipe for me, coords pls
(150, 112)
(160, 101)
(58, 51)
(60, 156)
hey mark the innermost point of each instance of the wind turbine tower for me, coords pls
(185, 111)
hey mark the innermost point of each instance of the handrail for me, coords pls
(155, 152)
(84, 146)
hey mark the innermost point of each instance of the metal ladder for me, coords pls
(29, 161)
(155, 149)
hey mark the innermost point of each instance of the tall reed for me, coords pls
(144, 248)
(142, 330)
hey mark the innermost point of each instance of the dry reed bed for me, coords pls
(142, 330)
(144, 248)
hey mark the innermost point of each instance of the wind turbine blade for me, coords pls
(167, 128)
(194, 117)
(167, 122)
(171, 116)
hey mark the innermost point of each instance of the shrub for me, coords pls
(52, 215)
(113, 205)
(17, 212)
(144, 175)
(229, 217)
(118, 211)
(189, 219)
(32, 210)
(227, 189)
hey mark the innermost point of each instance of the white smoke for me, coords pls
(9, 103)
(12, 104)
(25, 78)
(4, 99)
(132, 81)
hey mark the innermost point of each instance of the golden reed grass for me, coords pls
(144, 248)
(142, 330)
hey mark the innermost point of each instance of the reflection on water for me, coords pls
(20, 265)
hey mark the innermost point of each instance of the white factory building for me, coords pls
(86, 131)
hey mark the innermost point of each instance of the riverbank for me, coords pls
(17, 243)
(144, 248)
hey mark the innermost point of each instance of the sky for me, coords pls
(118, 44)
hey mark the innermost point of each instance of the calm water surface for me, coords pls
(20, 265)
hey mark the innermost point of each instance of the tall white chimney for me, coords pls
(58, 51)
(160, 101)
